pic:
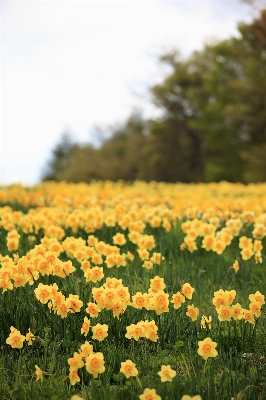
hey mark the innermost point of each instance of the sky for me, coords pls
(76, 65)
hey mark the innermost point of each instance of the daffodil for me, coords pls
(207, 348)
(166, 373)
(100, 332)
(29, 337)
(150, 394)
(128, 368)
(38, 373)
(95, 364)
(15, 339)
(85, 327)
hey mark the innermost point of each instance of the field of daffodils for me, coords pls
(116, 291)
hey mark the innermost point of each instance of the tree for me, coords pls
(214, 110)
(120, 155)
(257, 5)
(175, 147)
(58, 160)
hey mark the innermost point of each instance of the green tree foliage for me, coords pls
(176, 147)
(123, 155)
(212, 125)
(254, 96)
(59, 158)
(120, 156)
(219, 95)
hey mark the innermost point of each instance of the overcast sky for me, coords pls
(74, 65)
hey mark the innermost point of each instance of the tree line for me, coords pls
(212, 124)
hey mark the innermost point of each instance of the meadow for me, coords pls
(116, 291)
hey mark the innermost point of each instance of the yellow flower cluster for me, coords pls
(113, 295)
(98, 252)
(215, 196)
(57, 301)
(143, 329)
(156, 299)
(217, 240)
(213, 217)
(12, 240)
(16, 339)
(93, 362)
(226, 310)
(179, 298)
(41, 260)
(249, 249)
(89, 213)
